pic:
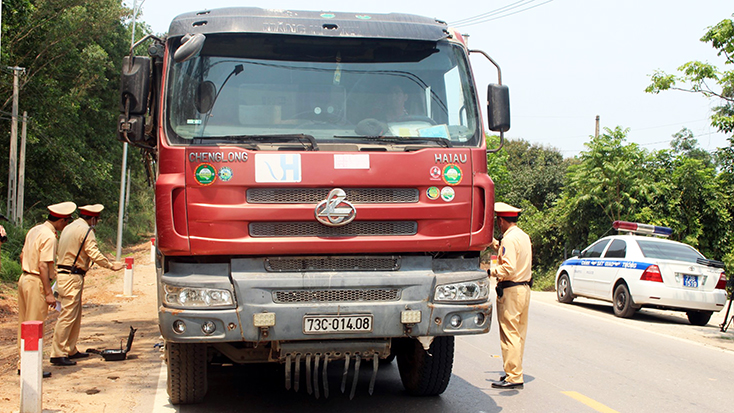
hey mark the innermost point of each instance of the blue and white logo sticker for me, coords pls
(225, 174)
(277, 167)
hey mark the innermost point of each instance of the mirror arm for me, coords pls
(139, 42)
(499, 81)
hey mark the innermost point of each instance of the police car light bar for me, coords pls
(638, 228)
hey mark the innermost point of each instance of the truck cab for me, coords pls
(321, 192)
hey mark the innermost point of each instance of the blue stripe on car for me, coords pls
(592, 262)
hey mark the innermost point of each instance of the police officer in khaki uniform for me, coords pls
(37, 259)
(514, 279)
(77, 252)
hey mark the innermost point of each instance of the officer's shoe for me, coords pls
(79, 355)
(62, 361)
(507, 385)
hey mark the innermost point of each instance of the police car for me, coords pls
(634, 271)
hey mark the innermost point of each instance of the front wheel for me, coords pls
(187, 365)
(426, 373)
(699, 318)
(563, 289)
(622, 302)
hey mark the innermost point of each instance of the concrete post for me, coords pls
(127, 289)
(31, 369)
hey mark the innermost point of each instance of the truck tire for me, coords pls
(187, 365)
(426, 373)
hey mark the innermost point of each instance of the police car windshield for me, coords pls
(250, 85)
(668, 251)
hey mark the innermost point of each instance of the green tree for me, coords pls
(610, 183)
(72, 52)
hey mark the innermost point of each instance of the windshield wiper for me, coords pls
(399, 139)
(308, 141)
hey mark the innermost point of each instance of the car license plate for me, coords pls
(324, 324)
(690, 281)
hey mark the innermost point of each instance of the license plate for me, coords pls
(324, 324)
(690, 281)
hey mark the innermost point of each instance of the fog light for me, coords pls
(263, 319)
(179, 327)
(479, 319)
(410, 317)
(208, 327)
(455, 321)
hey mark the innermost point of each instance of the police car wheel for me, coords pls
(622, 302)
(699, 318)
(564, 293)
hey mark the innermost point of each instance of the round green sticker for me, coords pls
(205, 174)
(452, 174)
(433, 193)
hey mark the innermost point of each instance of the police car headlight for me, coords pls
(178, 296)
(463, 291)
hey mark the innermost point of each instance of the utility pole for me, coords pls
(13, 159)
(596, 131)
(21, 171)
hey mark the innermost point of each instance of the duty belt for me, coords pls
(507, 284)
(71, 269)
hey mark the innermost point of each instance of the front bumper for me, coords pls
(326, 294)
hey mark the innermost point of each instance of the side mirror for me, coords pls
(131, 130)
(575, 253)
(135, 84)
(498, 107)
(191, 45)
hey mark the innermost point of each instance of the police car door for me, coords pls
(612, 261)
(585, 273)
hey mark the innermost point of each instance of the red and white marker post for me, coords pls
(127, 287)
(152, 250)
(31, 368)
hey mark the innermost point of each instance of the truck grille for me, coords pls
(330, 296)
(346, 263)
(316, 195)
(315, 229)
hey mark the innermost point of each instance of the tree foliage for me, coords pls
(71, 51)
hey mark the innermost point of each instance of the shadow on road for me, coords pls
(262, 388)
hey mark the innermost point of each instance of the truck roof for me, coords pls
(309, 23)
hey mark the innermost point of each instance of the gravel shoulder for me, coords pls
(94, 385)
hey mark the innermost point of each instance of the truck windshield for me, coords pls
(332, 89)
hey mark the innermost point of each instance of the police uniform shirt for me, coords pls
(515, 256)
(69, 242)
(39, 247)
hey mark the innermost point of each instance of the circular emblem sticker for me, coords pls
(448, 194)
(205, 174)
(452, 174)
(433, 193)
(435, 172)
(225, 174)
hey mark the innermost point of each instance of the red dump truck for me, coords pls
(321, 192)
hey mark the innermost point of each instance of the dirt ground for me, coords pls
(93, 385)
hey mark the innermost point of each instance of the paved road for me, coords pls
(579, 358)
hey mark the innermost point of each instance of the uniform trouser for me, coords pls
(512, 314)
(31, 301)
(66, 333)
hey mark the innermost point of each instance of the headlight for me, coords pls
(463, 291)
(196, 297)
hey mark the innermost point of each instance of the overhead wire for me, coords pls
(499, 13)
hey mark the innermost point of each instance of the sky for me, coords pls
(565, 61)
